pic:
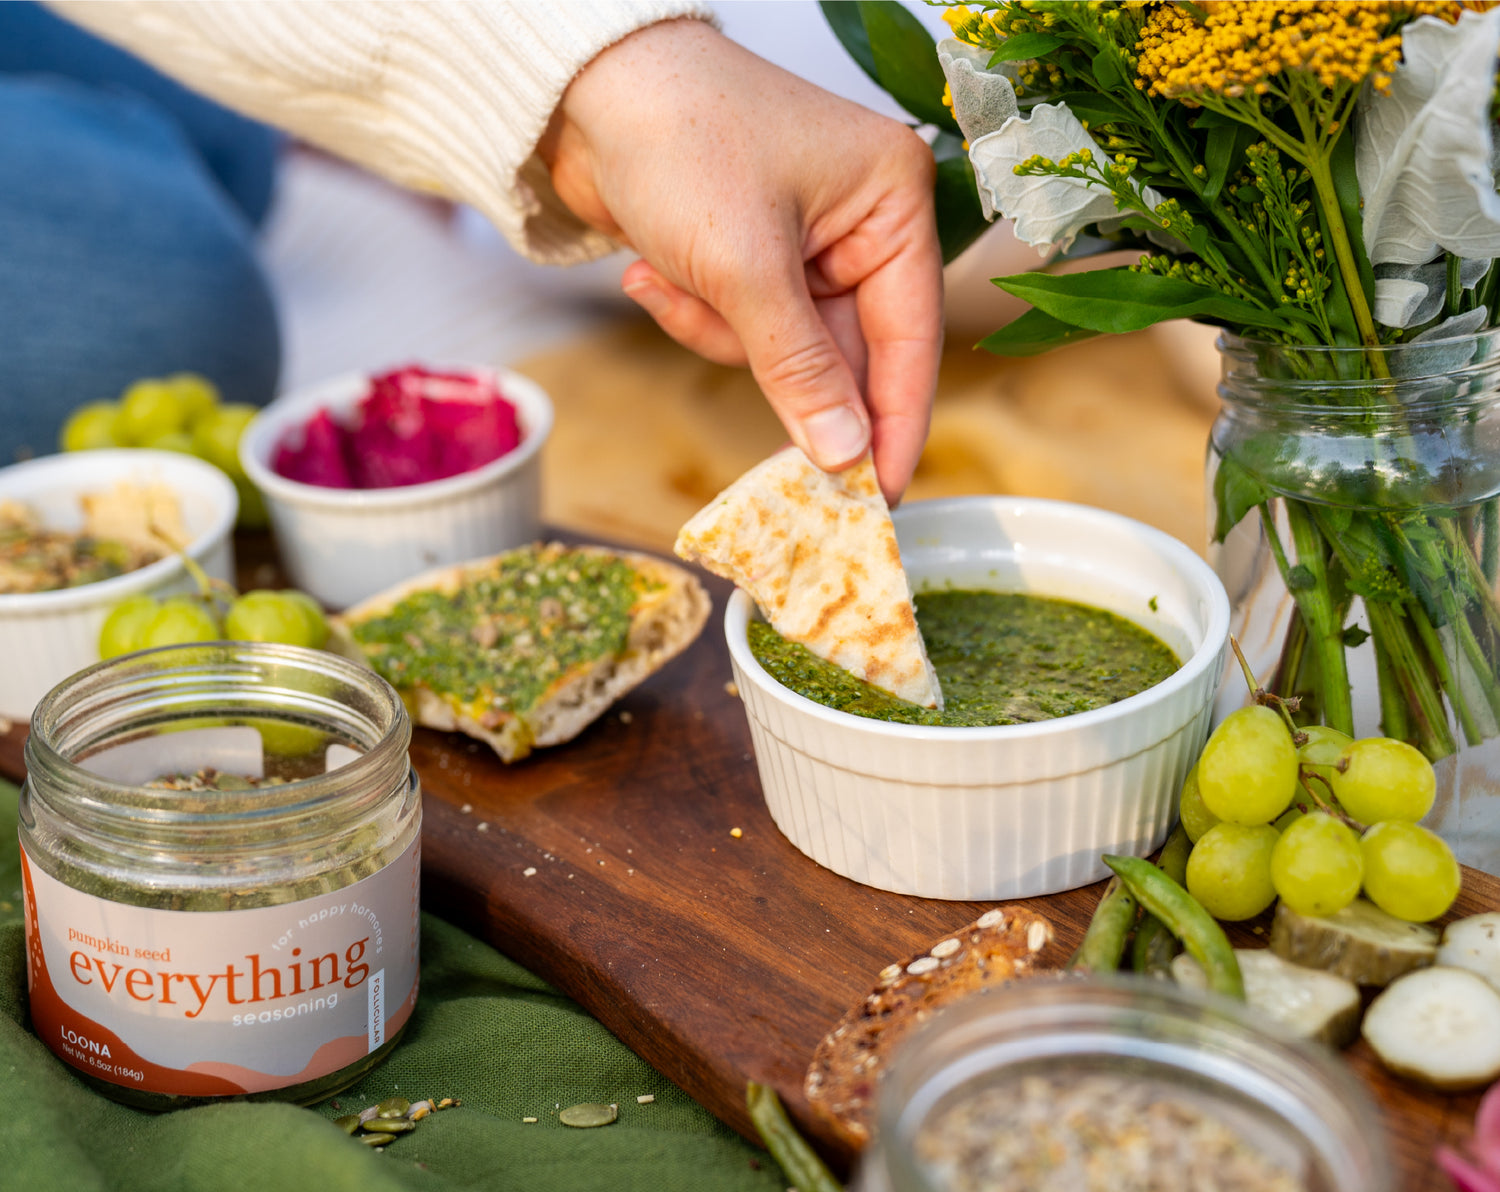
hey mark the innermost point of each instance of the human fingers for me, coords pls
(900, 316)
(688, 319)
(799, 365)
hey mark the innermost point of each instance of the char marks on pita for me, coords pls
(817, 552)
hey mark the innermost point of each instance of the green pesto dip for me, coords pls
(1002, 658)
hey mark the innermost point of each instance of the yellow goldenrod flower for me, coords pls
(1235, 48)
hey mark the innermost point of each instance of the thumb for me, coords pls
(800, 368)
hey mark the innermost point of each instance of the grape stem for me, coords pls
(1285, 705)
(1304, 774)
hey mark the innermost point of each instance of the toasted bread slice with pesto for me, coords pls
(817, 552)
(525, 648)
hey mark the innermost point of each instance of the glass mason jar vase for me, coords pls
(1355, 521)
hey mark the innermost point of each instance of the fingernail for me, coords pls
(835, 435)
(648, 295)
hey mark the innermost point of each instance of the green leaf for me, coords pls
(906, 61)
(1031, 334)
(1354, 636)
(1236, 492)
(1300, 578)
(1224, 154)
(1119, 300)
(845, 21)
(1346, 186)
(1023, 47)
(1107, 72)
(1094, 110)
(960, 218)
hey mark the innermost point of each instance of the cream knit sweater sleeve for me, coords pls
(442, 96)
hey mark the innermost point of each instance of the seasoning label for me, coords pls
(218, 1003)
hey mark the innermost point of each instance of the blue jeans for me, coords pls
(128, 209)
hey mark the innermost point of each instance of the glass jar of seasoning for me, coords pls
(1081, 1083)
(220, 855)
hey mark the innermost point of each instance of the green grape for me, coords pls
(1196, 818)
(1409, 872)
(148, 410)
(1317, 866)
(179, 620)
(280, 738)
(90, 426)
(1320, 753)
(177, 440)
(196, 394)
(1229, 870)
(252, 515)
(312, 612)
(124, 628)
(1381, 779)
(216, 437)
(265, 616)
(1247, 773)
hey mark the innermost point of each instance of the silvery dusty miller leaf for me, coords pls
(1047, 210)
(983, 99)
(1422, 153)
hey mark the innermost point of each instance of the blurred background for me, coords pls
(366, 276)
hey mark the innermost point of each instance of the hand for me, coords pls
(779, 226)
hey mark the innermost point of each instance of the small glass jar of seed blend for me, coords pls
(220, 855)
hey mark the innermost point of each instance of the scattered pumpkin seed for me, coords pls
(377, 1139)
(389, 1126)
(392, 1107)
(349, 1123)
(590, 1113)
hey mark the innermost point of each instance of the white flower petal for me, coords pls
(983, 99)
(1422, 153)
(1047, 210)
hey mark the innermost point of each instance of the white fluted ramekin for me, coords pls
(342, 545)
(1011, 811)
(47, 636)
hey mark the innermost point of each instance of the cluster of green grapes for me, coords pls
(290, 617)
(177, 413)
(1312, 825)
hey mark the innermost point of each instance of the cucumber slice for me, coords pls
(1308, 1002)
(1361, 942)
(1474, 944)
(1440, 1026)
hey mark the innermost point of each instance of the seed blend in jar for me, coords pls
(1091, 1132)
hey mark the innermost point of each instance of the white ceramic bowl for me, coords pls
(47, 636)
(342, 545)
(1015, 810)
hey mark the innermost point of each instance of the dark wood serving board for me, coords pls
(609, 867)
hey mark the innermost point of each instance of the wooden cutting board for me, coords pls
(611, 867)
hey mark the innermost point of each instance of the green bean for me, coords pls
(1186, 919)
(1154, 945)
(799, 1162)
(1104, 941)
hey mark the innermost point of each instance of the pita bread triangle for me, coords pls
(817, 552)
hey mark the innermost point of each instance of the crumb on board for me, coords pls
(482, 826)
(529, 871)
(736, 833)
(730, 688)
(626, 717)
(466, 809)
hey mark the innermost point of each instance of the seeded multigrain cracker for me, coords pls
(817, 552)
(850, 1062)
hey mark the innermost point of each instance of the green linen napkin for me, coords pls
(485, 1031)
